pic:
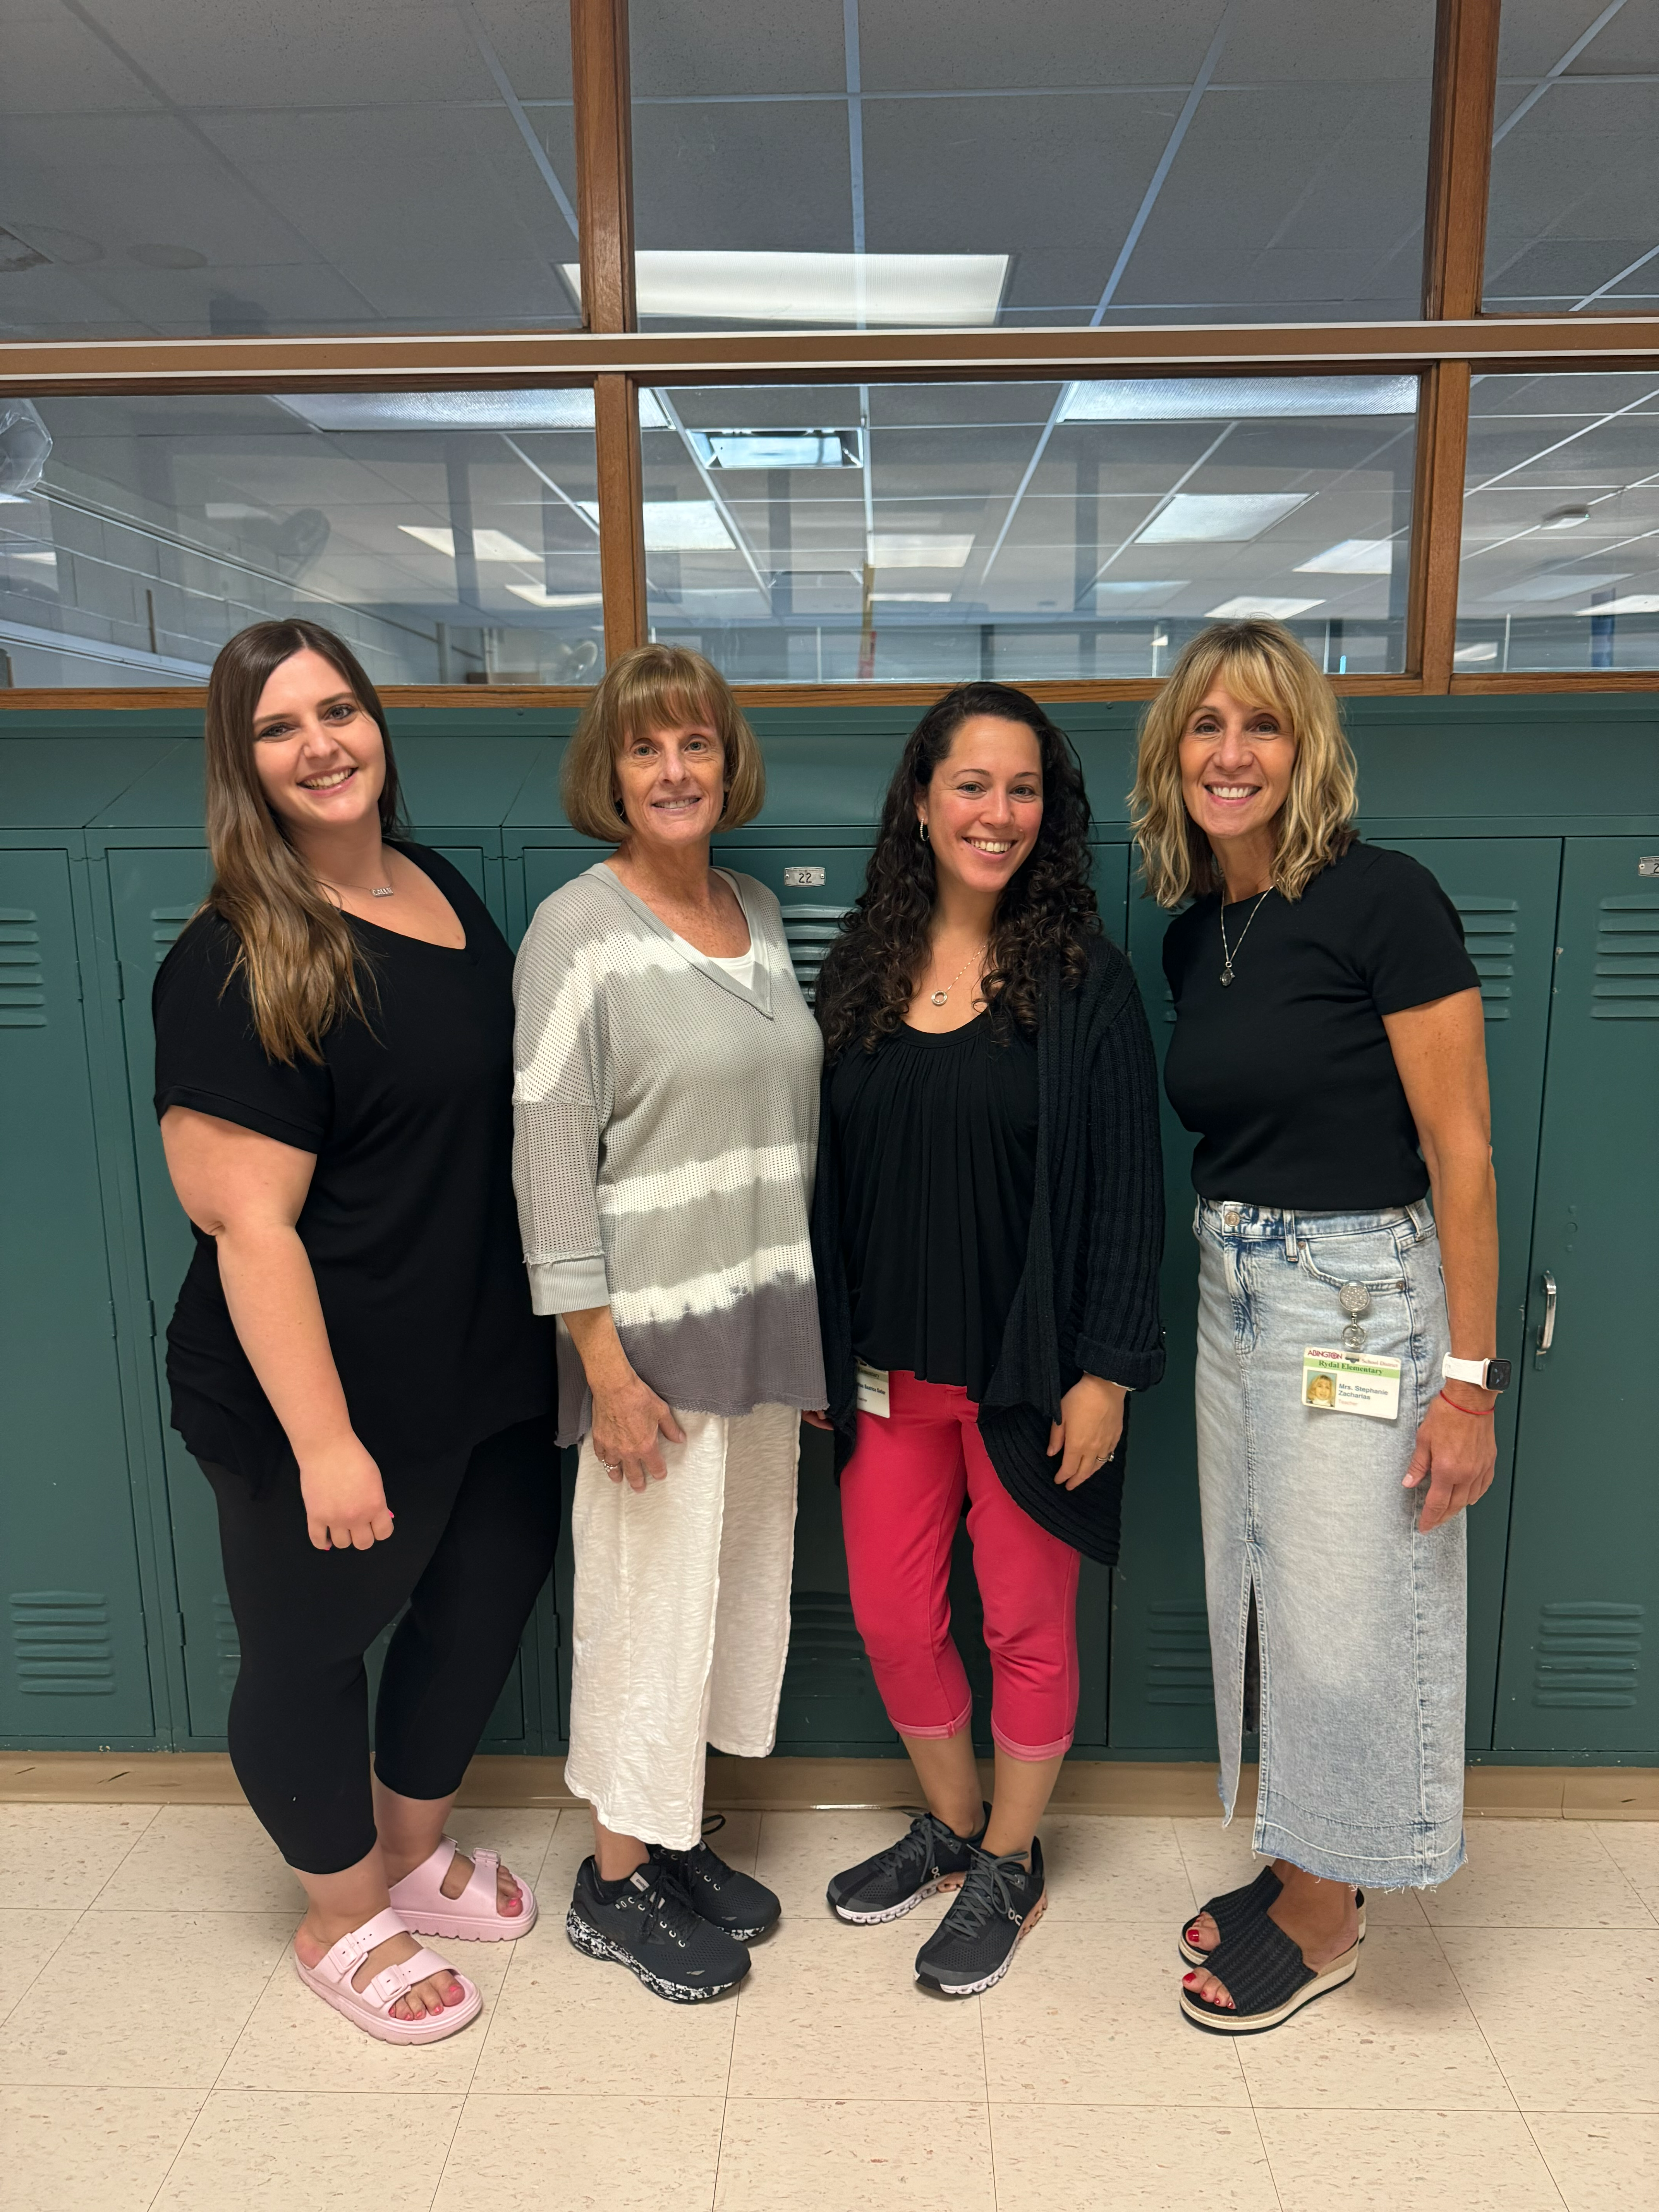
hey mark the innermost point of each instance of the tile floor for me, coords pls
(1499, 2047)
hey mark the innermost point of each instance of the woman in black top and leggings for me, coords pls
(353, 1361)
(987, 1231)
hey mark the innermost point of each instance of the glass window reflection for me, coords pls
(972, 161)
(1573, 225)
(1561, 567)
(451, 537)
(176, 170)
(936, 532)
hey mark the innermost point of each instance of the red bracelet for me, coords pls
(1474, 1412)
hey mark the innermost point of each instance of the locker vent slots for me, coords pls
(60, 1643)
(23, 986)
(1588, 1656)
(1626, 986)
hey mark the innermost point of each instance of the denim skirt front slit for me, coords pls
(1359, 1615)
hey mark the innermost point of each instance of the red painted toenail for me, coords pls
(1189, 1979)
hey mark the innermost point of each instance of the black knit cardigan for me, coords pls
(1087, 1299)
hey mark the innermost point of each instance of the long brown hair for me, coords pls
(304, 970)
(1043, 920)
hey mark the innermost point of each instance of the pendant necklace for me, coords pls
(372, 890)
(939, 997)
(1227, 952)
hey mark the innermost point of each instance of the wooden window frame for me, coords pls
(610, 354)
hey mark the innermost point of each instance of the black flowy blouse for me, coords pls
(1087, 1298)
(410, 1222)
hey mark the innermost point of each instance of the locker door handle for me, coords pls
(1547, 1331)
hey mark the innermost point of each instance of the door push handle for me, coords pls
(1547, 1331)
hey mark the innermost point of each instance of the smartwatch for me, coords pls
(1485, 1374)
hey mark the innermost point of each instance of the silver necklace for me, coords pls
(1227, 952)
(939, 997)
(372, 891)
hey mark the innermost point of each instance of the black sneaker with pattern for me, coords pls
(725, 1896)
(974, 1946)
(648, 1924)
(927, 1858)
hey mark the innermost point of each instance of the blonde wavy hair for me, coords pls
(1262, 666)
(648, 688)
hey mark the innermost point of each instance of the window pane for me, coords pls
(1561, 524)
(449, 536)
(1574, 213)
(965, 162)
(180, 169)
(936, 532)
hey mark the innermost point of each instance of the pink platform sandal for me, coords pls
(370, 2009)
(474, 1917)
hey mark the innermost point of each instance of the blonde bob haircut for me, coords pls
(1262, 666)
(649, 688)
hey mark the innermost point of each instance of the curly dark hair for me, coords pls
(1043, 918)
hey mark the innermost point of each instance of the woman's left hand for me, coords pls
(1457, 1452)
(1087, 1432)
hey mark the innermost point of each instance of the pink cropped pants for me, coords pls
(901, 1498)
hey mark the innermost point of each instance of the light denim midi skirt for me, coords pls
(1359, 1616)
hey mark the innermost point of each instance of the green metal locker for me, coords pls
(1578, 1667)
(76, 1670)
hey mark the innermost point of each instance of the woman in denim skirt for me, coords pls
(1330, 1054)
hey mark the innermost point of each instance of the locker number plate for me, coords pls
(802, 878)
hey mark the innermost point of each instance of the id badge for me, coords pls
(1350, 1382)
(873, 1390)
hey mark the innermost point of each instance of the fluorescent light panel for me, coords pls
(1633, 603)
(1249, 610)
(1351, 556)
(538, 595)
(902, 550)
(777, 449)
(909, 290)
(679, 525)
(455, 410)
(1229, 518)
(1229, 398)
(912, 599)
(487, 545)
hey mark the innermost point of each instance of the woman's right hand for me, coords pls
(344, 1498)
(628, 1420)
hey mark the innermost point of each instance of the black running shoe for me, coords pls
(744, 1907)
(929, 1857)
(973, 1946)
(651, 1928)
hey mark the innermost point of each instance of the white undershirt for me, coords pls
(740, 966)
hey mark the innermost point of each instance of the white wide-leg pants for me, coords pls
(681, 1619)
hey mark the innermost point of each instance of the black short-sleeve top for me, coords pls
(936, 1138)
(1286, 1074)
(410, 1222)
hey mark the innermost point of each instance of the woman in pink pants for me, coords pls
(986, 1228)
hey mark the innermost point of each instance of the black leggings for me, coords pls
(472, 1548)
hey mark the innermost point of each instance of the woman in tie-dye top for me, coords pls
(666, 1109)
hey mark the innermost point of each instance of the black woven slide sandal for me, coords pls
(1265, 1975)
(1231, 1911)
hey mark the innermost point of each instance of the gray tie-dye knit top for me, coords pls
(665, 1131)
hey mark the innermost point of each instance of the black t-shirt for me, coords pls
(410, 1222)
(1286, 1074)
(937, 1139)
